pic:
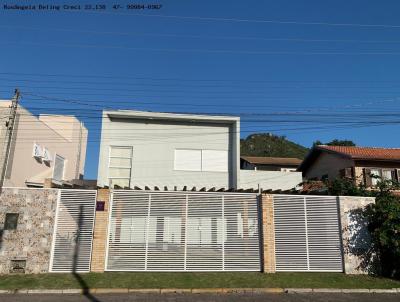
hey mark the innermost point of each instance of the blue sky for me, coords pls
(270, 62)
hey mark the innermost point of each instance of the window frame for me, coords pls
(188, 149)
(201, 160)
(391, 173)
(54, 166)
(218, 171)
(374, 181)
(119, 167)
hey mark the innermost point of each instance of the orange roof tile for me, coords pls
(367, 153)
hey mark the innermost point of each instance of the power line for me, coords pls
(187, 79)
(197, 50)
(9, 134)
(156, 141)
(240, 20)
(250, 89)
(248, 38)
(134, 98)
(73, 101)
(333, 124)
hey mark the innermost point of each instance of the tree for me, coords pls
(317, 142)
(384, 226)
(335, 142)
(382, 220)
(338, 142)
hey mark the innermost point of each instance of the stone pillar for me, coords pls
(355, 238)
(268, 233)
(100, 232)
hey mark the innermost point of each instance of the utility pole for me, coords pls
(78, 157)
(9, 127)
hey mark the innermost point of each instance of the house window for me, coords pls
(11, 221)
(188, 160)
(120, 166)
(386, 174)
(375, 176)
(59, 164)
(214, 160)
(201, 160)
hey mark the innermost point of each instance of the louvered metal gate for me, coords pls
(307, 233)
(73, 231)
(181, 231)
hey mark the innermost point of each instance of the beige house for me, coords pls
(42, 147)
(359, 163)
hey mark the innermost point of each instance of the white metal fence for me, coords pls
(307, 233)
(183, 231)
(73, 231)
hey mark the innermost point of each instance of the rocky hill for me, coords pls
(267, 144)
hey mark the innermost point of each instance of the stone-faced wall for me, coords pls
(355, 236)
(32, 239)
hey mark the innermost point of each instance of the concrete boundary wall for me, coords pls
(269, 180)
(32, 239)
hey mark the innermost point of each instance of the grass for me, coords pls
(196, 280)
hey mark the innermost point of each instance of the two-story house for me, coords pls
(168, 149)
(46, 146)
(153, 149)
(359, 163)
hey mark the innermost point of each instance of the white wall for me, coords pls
(154, 142)
(266, 180)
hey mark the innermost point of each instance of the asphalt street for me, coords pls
(317, 297)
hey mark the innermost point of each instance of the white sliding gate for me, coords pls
(183, 231)
(307, 233)
(73, 231)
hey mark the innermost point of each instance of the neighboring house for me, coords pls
(269, 163)
(359, 163)
(264, 173)
(166, 149)
(42, 147)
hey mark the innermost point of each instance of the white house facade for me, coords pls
(167, 149)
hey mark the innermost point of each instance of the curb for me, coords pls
(342, 290)
(202, 291)
(145, 290)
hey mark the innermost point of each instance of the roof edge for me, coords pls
(133, 114)
(312, 155)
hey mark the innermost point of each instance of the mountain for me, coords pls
(267, 144)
